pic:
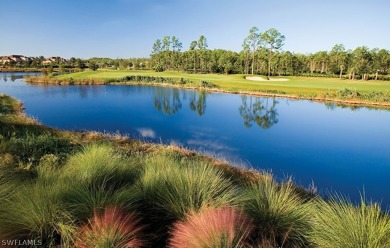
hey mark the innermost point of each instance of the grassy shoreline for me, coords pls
(14, 69)
(85, 189)
(351, 93)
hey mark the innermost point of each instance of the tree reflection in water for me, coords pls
(169, 101)
(14, 77)
(261, 111)
(198, 102)
(334, 106)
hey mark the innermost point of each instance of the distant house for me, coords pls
(16, 58)
(22, 58)
(4, 59)
(53, 59)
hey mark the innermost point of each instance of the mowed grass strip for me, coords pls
(237, 82)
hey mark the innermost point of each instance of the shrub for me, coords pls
(49, 160)
(348, 93)
(281, 216)
(9, 105)
(112, 228)
(158, 68)
(30, 147)
(341, 224)
(93, 66)
(207, 84)
(221, 227)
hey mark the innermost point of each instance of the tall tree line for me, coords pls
(262, 54)
(74, 64)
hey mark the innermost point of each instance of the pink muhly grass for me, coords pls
(112, 228)
(221, 227)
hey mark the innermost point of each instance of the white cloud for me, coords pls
(209, 144)
(147, 132)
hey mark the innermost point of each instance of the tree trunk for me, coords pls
(246, 63)
(269, 61)
(200, 62)
(247, 67)
(312, 66)
(253, 60)
(353, 75)
(194, 61)
(376, 75)
(341, 72)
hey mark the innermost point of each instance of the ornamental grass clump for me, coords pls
(97, 177)
(100, 164)
(35, 211)
(220, 227)
(281, 216)
(111, 228)
(175, 188)
(10, 179)
(339, 223)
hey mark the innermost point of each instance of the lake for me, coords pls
(341, 150)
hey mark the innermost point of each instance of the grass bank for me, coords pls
(16, 69)
(365, 93)
(77, 189)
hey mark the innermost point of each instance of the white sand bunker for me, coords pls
(254, 78)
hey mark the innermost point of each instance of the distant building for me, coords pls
(53, 59)
(4, 59)
(16, 58)
(22, 58)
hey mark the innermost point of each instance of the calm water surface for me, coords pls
(339, 149)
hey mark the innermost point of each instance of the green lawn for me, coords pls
(295, 85)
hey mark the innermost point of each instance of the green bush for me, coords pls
(207, 84)
(376, 96)
(348, 93)
(29, 148)
(9, 105)
(158, 68)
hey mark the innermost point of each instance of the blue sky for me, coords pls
(128, 28)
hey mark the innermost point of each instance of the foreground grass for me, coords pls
(340, 224)
(106, 191)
